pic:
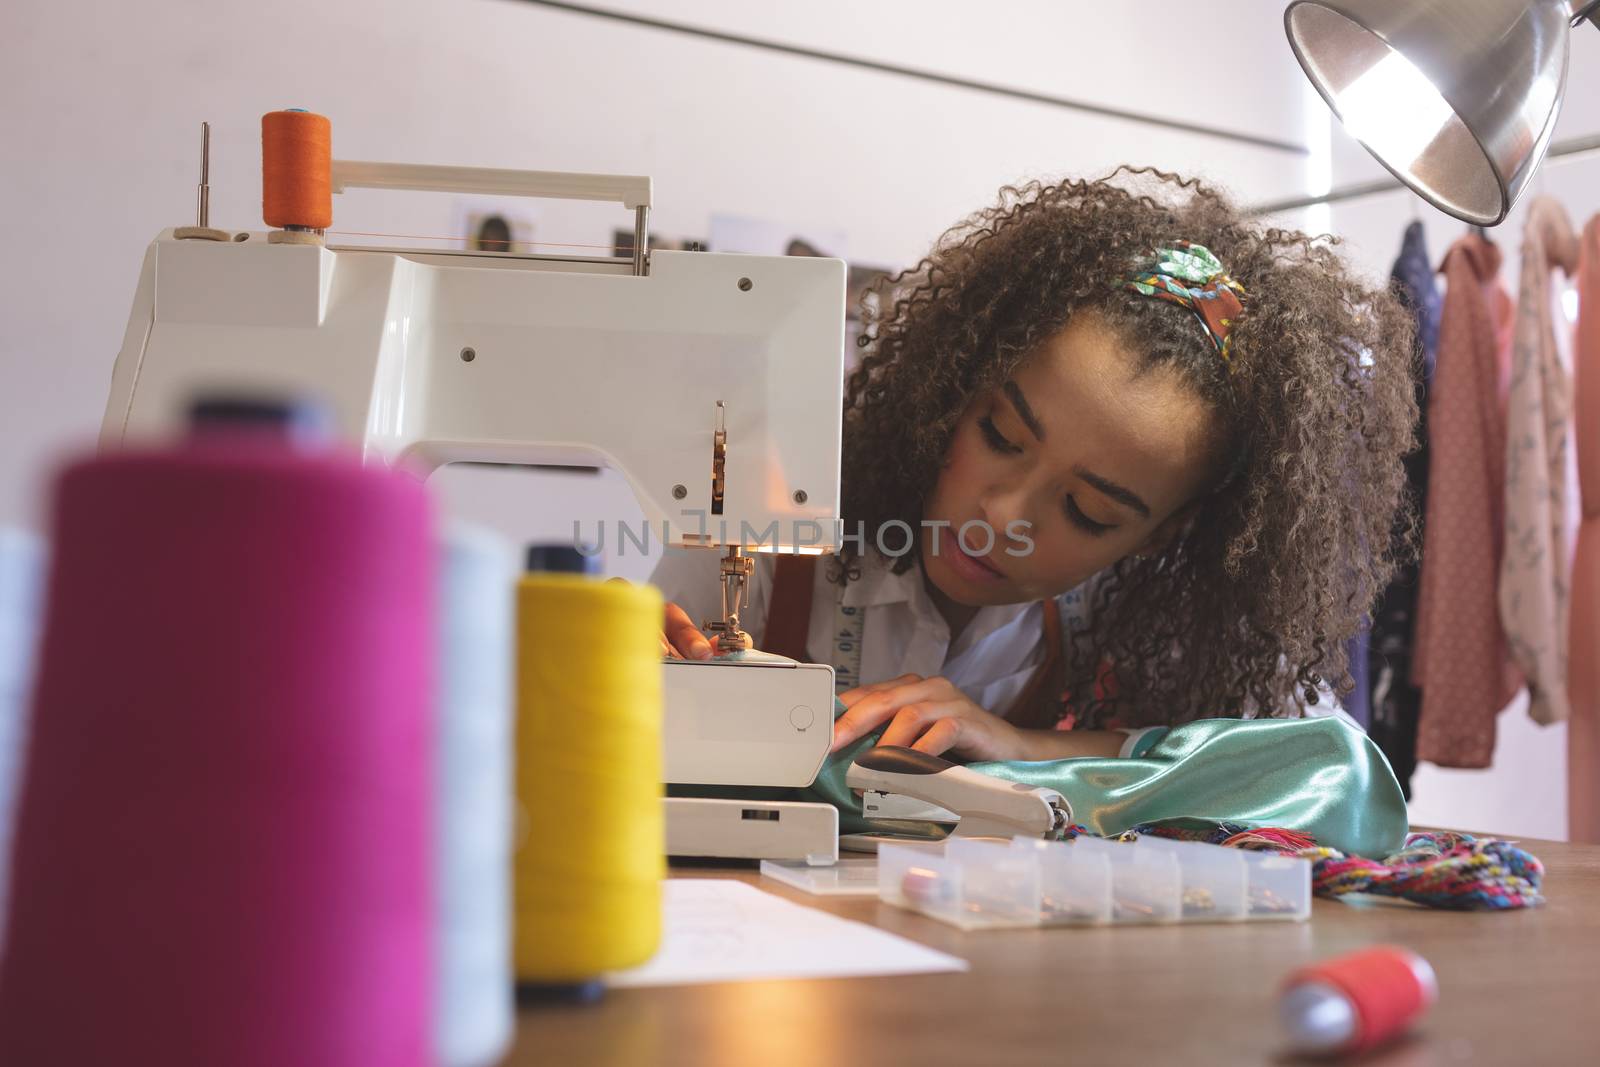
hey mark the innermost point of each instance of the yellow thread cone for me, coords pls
(590, 855)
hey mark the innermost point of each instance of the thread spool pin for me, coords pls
(202, 229)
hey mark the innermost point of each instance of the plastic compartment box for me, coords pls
(1212, 879)
(987, 884)
(975, 885)
(1279, 886)
(1074, 883)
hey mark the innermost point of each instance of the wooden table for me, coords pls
(1515, 988)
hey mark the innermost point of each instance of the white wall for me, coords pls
(1524, 791)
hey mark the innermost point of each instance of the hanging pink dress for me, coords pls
(1461, 663)
(1583, 681)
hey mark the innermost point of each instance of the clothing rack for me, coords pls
(1574, 147)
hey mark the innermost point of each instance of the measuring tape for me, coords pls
(848, 624)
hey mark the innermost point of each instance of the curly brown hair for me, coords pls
(1250, 607)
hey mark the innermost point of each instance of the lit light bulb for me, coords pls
(1394, 110)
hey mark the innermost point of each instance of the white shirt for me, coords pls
(991, 660)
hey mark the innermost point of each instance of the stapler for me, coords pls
(979, 805)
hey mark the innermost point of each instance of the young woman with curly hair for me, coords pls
(1143, 457)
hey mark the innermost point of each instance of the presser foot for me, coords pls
(728, 638)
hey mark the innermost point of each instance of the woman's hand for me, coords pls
(929, 715)
(681, 638)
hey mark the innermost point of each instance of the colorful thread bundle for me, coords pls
(1451, 871)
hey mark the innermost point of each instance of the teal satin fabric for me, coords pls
(1317, 776)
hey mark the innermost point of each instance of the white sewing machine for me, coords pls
(711, 382)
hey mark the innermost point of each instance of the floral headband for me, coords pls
(1188, 274)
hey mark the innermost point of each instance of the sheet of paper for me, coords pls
(721, 930)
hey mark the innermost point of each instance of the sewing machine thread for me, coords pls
(21, 586)
(590, 850)
(473, 946)
(223, 839)
(1357, 1001)
(296, 170)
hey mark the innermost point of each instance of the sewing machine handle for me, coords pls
(631, 191)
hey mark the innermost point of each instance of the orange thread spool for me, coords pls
(296, 170)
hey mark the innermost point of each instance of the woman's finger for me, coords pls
(684, 635)
(850, 696)
(911, 721)
(940, 738)
(879, 707)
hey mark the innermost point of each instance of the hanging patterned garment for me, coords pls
(1534, 567)
(1460, 662)
(1397, 703)
(1583, 731)
(1358, 702)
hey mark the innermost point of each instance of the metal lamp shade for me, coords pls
(1457, 98)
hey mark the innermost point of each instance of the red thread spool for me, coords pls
(223, 850)
(296, 170)
(1356, 1001)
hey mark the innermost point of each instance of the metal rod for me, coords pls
(1574, 147)
(929, 76)
(641, 240)
(203, 208)
(1581, 11)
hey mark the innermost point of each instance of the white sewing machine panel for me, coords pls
(729, 723)
(428, 358)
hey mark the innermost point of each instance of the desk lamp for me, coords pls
(1457, 98)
